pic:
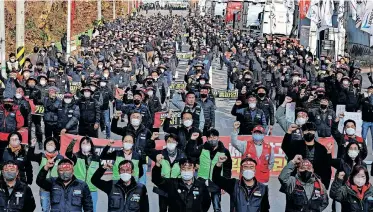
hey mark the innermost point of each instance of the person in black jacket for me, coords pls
(142, 135)
(68, 115)
(14, 194)
(184, 132)
(247, 186)
(17, 152)
(107, 97)
(51, 105)
(67, 192)
(187, 193)
(89, 114)
(309, 149)
(125, 194)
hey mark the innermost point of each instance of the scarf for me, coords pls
(52, 155)
(15, 149)
(360, 194)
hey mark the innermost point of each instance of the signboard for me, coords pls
(75, 87)
(226, 94)
(274, 141)
(159, 118)
(290, 112)
(178, 85)
(36, 109)
(188, 55)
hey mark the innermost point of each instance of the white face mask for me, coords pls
(171, 146)
(187, 175)
(350, 131)
(135, 122)
(150, 93)
(100, 66)
(353, 153)
(67, 101)
(106, 75)
(87, 94)
(202, 82)
(359, 181)
(300, 121)
(248, 174)
(127, 146)
(86, 148)
(93, 88)
(18, 95)
(188, 123)
(50, 148)
(125, 177)
(156, 62)
(43, 82)
(102, 84)
(252, 105)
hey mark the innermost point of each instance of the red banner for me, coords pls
(159, 118)
(304, 5)
(233, 7)
(274, 141)
(23, 131)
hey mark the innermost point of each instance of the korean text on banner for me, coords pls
(274, 141)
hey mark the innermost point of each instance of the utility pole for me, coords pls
(114, 12)
(20, 31)
(2, 39)
(68, 34)
(99, 10)
(128, 8)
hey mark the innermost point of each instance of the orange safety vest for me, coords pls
(262, 170)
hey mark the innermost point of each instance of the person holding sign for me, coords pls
(15, 195)
(349, 136)
(304, 191)
(86, 163)
(120, 155)
(187, 193)
(51, 152)
(125, 194)
(258, 149)
(67, 192)
(239, 188)
(90, 114)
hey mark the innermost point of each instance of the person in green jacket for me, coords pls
(86, 163)
(170, 166)
(51, 152)
(124, 154)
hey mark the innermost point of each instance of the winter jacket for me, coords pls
(20, 200)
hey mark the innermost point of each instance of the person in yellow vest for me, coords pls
(124, 154)
(209, 154)
(51, 152)
(86, 162)
(170, 166)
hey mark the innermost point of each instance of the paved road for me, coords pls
(224, 123)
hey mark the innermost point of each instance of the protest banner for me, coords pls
(75, 87)
(353, 116)
(184, 55)
(290, 112)
(23, 131)
(36, 109)
(159, 118)
(274, 141)
(225, 94)
(178, 85)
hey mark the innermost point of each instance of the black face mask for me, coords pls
(203, 95)
(261, 95)
(323, 107)
(136, 101)
(303, 85)
(356, 85)
(149, 82)
(305, 175)
(247, 79)
(308, 137)
(320, 95)
(60, 73)
(8, 106)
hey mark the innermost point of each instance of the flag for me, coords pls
(314, 11)
(341, 11)
(367, 20)
(360, 12)
(326, 14)
(272, 16)
(304, 6)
